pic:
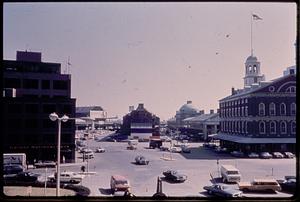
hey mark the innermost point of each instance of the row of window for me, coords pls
(272, 127)
(234, 112)
(242, 127)
(272, 109)
(34, 108)
(234, 103)
(34, 84)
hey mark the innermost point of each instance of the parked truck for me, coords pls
(15, 158)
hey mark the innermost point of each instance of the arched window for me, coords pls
(291, 89)
(273, 127)
(293, 127)
(272, 109)
(283, 127)
(242, 127)
(293, 109)
(250, 68)
(262, 127)
(254, 68)
(261, 109)
(282, 109)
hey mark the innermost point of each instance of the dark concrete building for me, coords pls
(33, 89)
(140, 123)
(262, 116)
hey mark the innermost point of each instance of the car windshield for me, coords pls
(121, 182)
(232, 172)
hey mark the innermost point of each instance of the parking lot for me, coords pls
(198, 165)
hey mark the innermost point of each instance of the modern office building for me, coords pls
(261, 116)
(140, 123)
(33, 89)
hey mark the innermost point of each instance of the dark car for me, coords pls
(237, 154)
(12, 169)
(174, 176)
(288, 184)
(22, 177)
(185, 149)
(223, 191)
(141, 160)
(45, 164)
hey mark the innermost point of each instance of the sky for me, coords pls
(159, 54)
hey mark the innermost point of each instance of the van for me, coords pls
(230, 173)
(119, 183)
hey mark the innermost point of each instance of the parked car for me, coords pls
(45, 164)
(223, 191)
(119, 183)
(289, 155)
(12, 169)
(175, 149)
(237, 154)
(288, 184)
(100, 150)
(66, 177)
(141, 160)
(164, 148)
(265, 155)
(174, 176)
(277, 155)
(22, 177)
(253, 155)
(88, 154)
(132, 147)
(269, 185)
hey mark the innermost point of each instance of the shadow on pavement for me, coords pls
(105, 191)
(164, 179)
(205, 153)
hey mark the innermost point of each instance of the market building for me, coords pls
(261, 116)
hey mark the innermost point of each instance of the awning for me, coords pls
(251, 140)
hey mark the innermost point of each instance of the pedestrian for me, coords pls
(83, 168)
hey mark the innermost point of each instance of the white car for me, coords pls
(66, 177)
(289, 155)
(175, 149)
(100, 150)
(277, 155)
(253, 155)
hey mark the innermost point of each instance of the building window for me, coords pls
(282, 109)
(261, 109)
(291, 89)
(60, 85)
(32, 108)
(12, 83)
(272, 109)
(283, 127)
(293, 109)
(246, 100)
(239, 126)
(31, 83)
(293, 127)
(273, 127)
(246, 126)
(246, 111)
(242, 129)
(239, 112)
(242, 111)
(235, 111)
(262, 127)
(45, 84)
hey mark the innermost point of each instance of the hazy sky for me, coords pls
(159, 54)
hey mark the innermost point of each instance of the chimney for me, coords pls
(131, 108)
(189, 102)
(232, 91)
(211, 111)
(141, 106)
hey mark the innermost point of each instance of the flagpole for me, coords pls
(251, 34)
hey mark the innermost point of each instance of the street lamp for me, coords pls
(53, 117)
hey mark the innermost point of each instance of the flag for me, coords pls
(256, 17)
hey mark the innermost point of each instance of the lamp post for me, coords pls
(53, 117)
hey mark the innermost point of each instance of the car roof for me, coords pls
(118, 177)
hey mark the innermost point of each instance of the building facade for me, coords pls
(33, 89)
(260, 117)
(140, 123)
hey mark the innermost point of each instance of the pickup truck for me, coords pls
(270, 185)
(67, 177)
